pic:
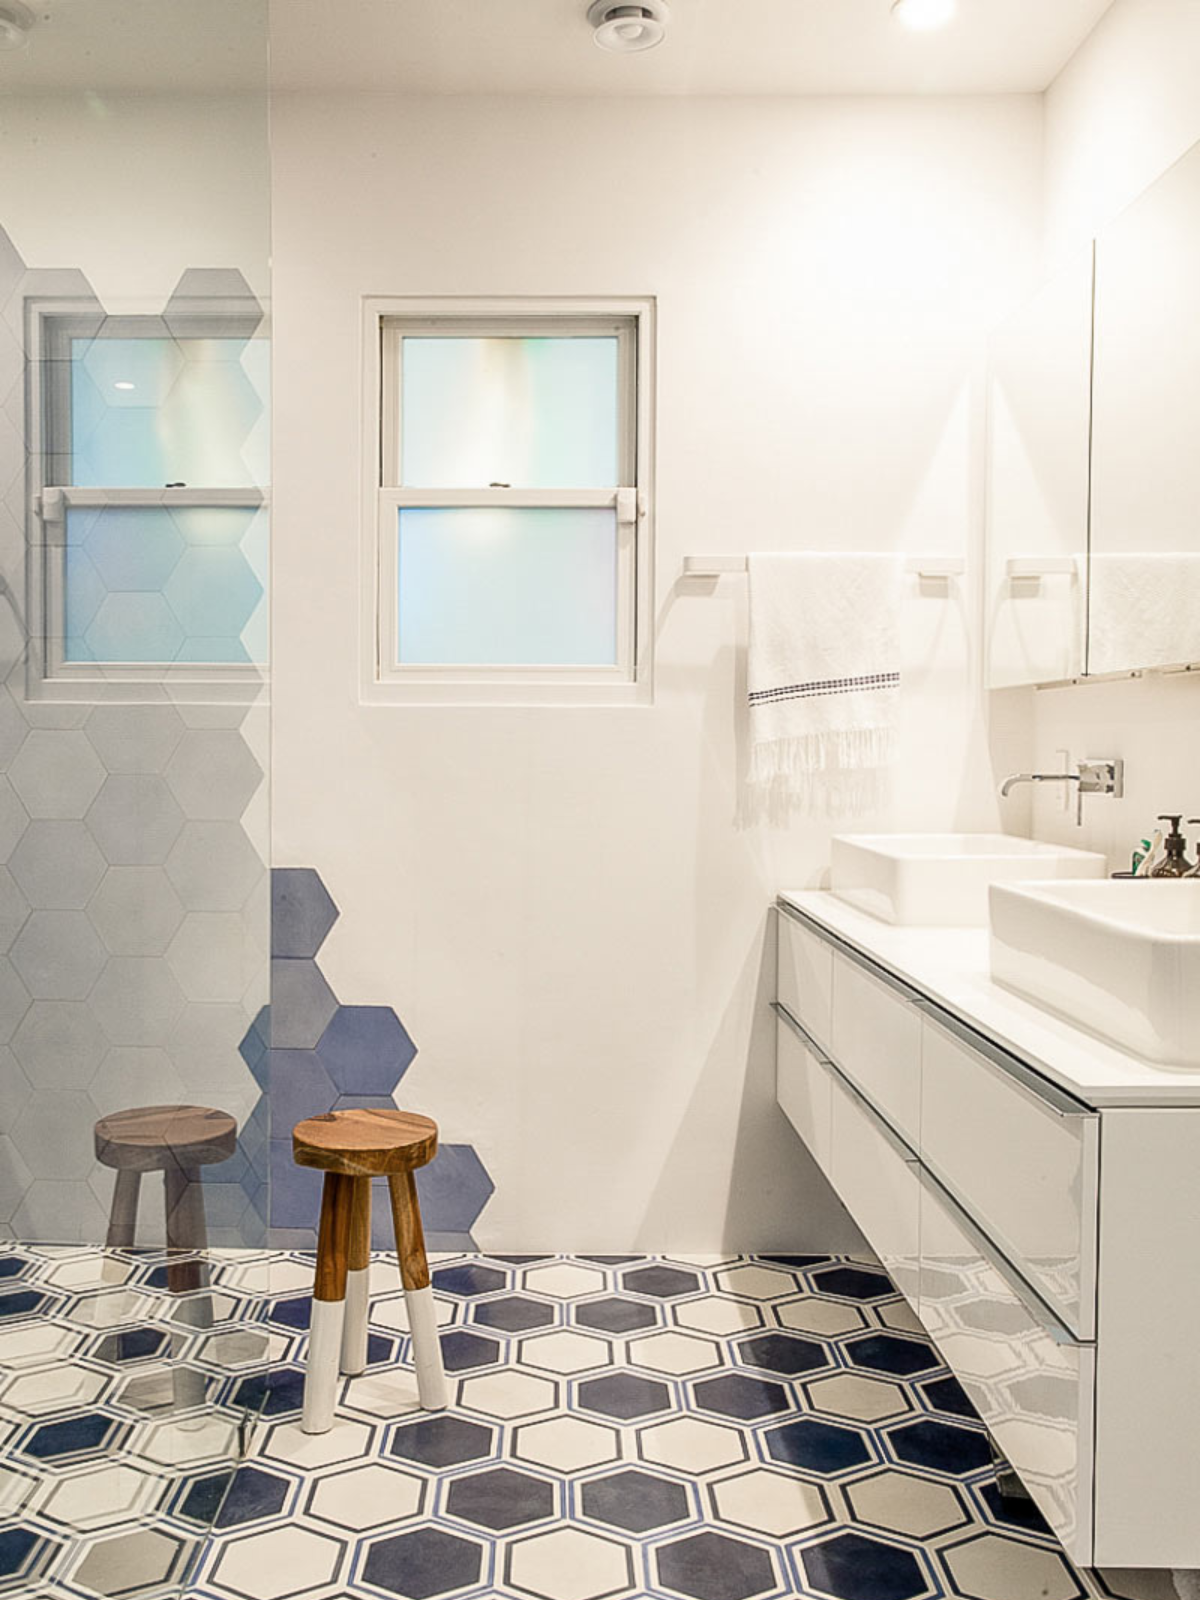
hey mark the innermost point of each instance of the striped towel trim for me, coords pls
(806, 691)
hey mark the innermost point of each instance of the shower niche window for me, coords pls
(149, 548)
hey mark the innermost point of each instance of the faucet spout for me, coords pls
(1038, 777)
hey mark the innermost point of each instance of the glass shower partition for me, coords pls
(134, 723)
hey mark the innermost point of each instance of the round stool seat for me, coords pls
(365, 1142)
(161, 1138)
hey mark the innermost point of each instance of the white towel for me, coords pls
(823, 677)
(1143, 611)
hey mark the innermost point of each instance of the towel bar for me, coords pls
(921, 566)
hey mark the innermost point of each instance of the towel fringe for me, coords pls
(838, 772)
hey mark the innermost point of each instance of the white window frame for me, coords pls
(382, 678)
(51, 325)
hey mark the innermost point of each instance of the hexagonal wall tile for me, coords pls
(136, 911)
(213, 774)
(137, 1000)
(59, 1043)
(212, 592)
(366, 1049)
(213, 866)
(135, 820)
(134, 548)
(302, 912)
(57, 865)
(58, 955)
(138, 738)
(56, 773)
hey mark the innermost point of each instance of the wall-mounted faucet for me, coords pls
(1104, 775)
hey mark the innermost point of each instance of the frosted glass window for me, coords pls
(533, 413)
(144, 584)
(499, 587)
(149, 412)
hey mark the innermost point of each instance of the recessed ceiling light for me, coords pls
(922, 16)
(15, 22)
(626, 28)
(122, 383)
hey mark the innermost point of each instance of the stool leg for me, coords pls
(418, 1294)
(186, 1230)
(329, 1305)
(358, 1279)
(122, 1216)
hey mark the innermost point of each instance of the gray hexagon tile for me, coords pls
(214, 957)
(59, 1043)
(57, 864)
(56, 773)
(214, 867)
(301, 1004)
(135, 820)
(213, 774)
(137, 1000)
(13, 818)
(58, 955)
(134, 738)
(136, 911)
(14, 908)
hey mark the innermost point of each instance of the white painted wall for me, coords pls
(1121, 112)
(565, 905)
(135, 188)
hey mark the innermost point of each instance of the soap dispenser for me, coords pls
(1195, 872)
(1175, 863)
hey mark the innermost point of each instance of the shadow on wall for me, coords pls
(311, 1054)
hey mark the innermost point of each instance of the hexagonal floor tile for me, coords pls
(35, 1344)
(901, 1318)
(347, 1440)
(854, 1395)
(614, 1314)
(784, 1354)
(368, 1496)
(898, 1502)
(676, 1353)
(133, 1563)
(101, 1497)
(567, 1444)
(636, 1502)
(513, 1313)
(717, 1314)
(469, 1279)
(891, 1353)
(940, 1446)
(773, 1503)
(442, 1441)
(660, 1281)
(737, 1394)
(500, 1499)
(37, 1394)
(851, 1566)
(991, 1567)
(826, 1318)
(233, 1499)
(565, 1352)
(849, 1282)
(563, 1280)
(754, 1281)
(714, 1566)
(508, 1394)
(689, 1445)
(623, 1395)
(73, 1439)
(278, 1562)
(816, 1446)
(423, 1563)
(568, 1564)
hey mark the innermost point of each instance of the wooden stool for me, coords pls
(176, 1141)
(351, 1148)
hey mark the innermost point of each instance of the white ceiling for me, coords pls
(715, 47)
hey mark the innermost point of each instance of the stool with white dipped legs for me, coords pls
(352, 1147)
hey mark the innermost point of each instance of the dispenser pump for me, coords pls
(1175, 863)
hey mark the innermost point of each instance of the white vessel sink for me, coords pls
(941, 879)
(1119, 958)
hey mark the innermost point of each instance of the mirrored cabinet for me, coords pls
(1093, 563)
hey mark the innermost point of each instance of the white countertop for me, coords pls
(950, 965)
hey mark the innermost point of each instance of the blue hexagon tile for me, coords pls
(310, 1053)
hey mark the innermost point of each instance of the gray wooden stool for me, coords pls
(176, 1141)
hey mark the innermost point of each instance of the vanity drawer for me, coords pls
(804, 1089)
(804, 982)
(877, 1179)
(1022, 1159)
(877, 1043)
(1030, 1381)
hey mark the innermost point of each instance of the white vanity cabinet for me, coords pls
(1021, 1223)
